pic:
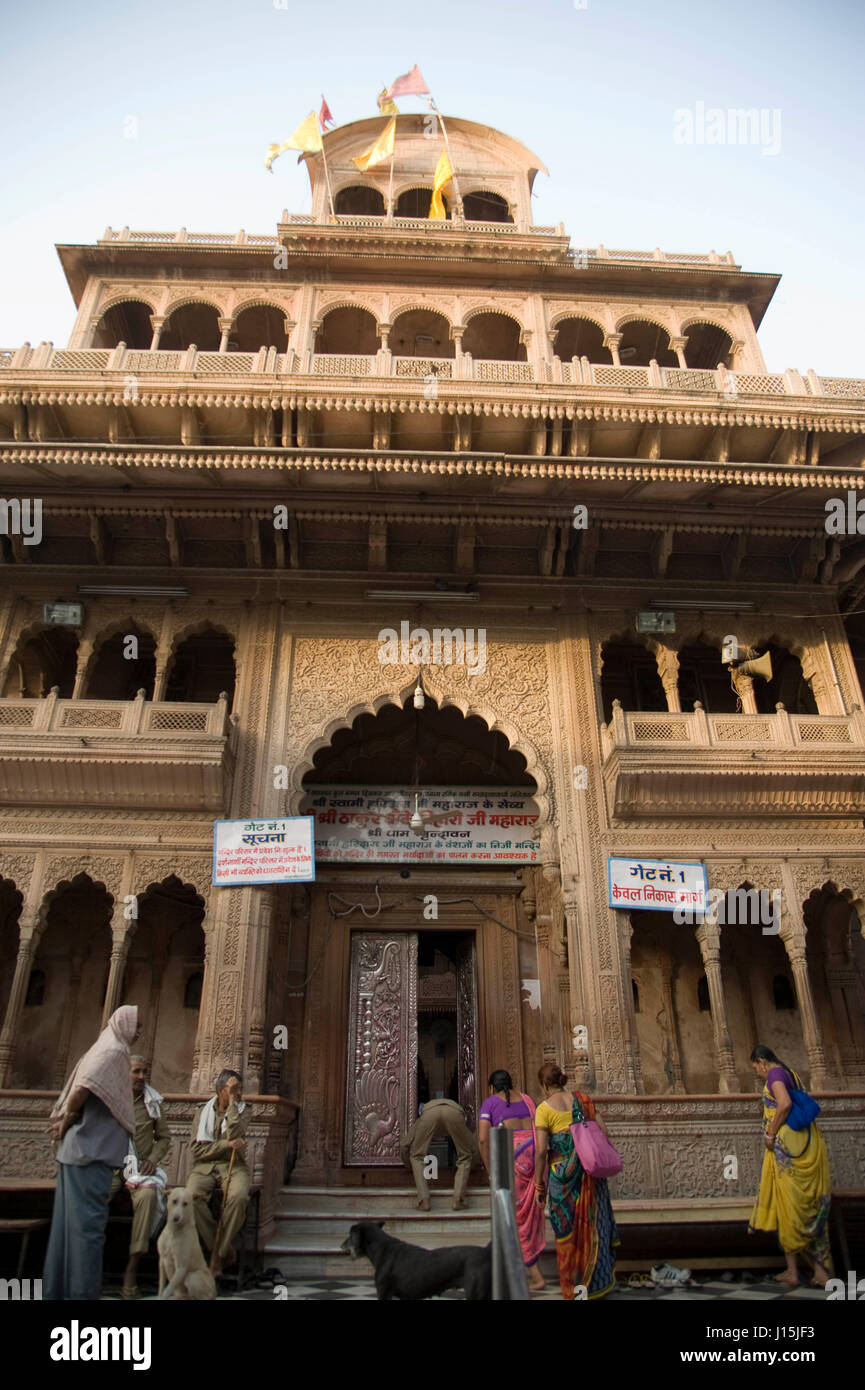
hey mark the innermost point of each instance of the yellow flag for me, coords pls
(443, 175)
(385, 105)
(380, 151)
(307, 137)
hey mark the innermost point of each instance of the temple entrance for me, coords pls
(412, 1035)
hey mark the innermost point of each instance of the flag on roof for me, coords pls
(324, 116)
(307, 138)
(411, 84)
(385, 105)
(381, 150)
(443, 175)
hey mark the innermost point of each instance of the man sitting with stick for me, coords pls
(219, 1156)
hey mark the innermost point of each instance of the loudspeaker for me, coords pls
(761, 668)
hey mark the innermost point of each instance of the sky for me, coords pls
(157, 114)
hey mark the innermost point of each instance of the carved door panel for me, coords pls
(467, 1028)
(381, 1075)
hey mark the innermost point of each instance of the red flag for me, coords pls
(324, 116)
(411, 84)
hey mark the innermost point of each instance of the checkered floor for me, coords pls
(338, 1290)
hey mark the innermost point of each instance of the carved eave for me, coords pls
(781, 783)
(414, 247)
(136, 772)
(636, 405)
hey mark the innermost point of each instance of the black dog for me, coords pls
(410, 1272)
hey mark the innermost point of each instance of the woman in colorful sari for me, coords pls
(795, 1184)
(518, 1115)
(580, 1209)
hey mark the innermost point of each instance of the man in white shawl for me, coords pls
(143, 1175)
(219, 1130)
(92, 1123)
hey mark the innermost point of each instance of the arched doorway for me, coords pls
(411, 971)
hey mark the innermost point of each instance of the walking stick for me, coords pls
(222, 1209)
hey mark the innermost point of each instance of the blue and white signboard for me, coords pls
(263, 851)
(656, 885)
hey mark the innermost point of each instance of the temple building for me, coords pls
(376, 512)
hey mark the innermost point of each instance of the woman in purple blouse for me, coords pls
(517, 1114)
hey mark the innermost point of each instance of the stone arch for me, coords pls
(11, 905)
(445, 348)
(354, 331)
(491, 309)
(624, 637)
(422, 201)
(189, 300)
(562, 314)
(474, 210)
(272, 333)
(74, 925)
(638, 316)
(495, 340)
(364, 196)
(93, 644)
(646, 346)
(125, 319)
(517, 739)
(202, 627)
(56, 666)
(700, 349)
(124, 297)
(201, 326)
(595, 351)
(167, 947)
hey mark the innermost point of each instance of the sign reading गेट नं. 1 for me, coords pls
(656, 885)
(479, 825)
(263, 851)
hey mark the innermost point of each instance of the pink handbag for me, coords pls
(594, 1150)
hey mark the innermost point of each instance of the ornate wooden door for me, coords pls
(467, 1028)
(381, 1072)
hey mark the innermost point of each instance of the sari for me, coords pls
(795, 1189)
(531, 1221)
(581, 1215)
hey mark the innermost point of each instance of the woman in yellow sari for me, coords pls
(795, 1184)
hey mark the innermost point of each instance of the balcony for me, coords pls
(694, 765)
(267, 367)
(131, 753)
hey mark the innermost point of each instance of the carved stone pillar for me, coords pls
(668, 669)
(580, 1058)
(709, 941)
(225, 326)
(612, 341)
(633, 1067)
(157, 323)
(744, 686)
(678, 345)
(678, 1082)
(122, 932)
(85, 651)
(794, 945)
(27, 942)
(76, 966)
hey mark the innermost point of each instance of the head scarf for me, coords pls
(104, 1069)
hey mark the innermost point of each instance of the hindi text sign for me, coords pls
(263, 851)
(656, 885)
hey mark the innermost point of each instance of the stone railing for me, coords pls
(641, 730)
(579, 372)
(138, 716)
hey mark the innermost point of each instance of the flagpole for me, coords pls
(390, 186)
(327, 177)
(459, 201)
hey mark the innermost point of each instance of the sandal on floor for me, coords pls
(130, 1292)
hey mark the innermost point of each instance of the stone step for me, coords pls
(373, 1203)
(462, 1228)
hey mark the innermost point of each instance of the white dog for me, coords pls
(183, 1271)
